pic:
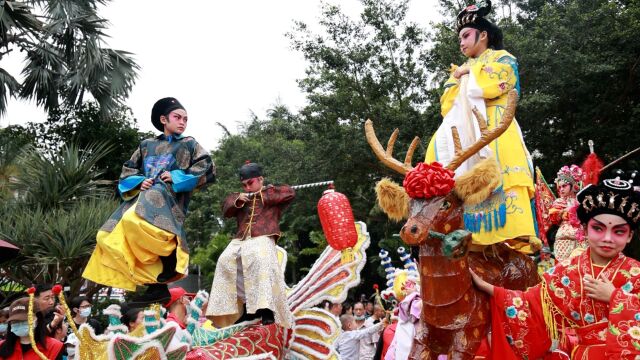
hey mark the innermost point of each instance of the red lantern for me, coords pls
(338, 224)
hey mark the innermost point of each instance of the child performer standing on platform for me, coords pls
(484, 82)
(248, 279)
(143, 242)
(593, 295)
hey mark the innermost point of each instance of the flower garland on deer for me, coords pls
(455, 315)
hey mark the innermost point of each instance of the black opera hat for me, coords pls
(163, 107)
(474, 16)
(249, 171)
(612, 196)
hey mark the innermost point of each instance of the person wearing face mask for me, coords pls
(367, 348)
(17, 344)
(4, 316)
(359, 314)
(484, 82)
(594, 295)
(81, 311)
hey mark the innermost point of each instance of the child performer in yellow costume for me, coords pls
(484, 81)
(143, 242)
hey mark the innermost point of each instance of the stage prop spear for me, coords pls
(306, 186)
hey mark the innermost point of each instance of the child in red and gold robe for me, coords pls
(587, 306)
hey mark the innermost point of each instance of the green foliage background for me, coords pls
(579, 63)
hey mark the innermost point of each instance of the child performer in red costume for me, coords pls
(594, 294)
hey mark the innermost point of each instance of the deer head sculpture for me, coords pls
(431, 199)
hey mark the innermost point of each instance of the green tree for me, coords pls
(373, 67)
(58, 207)
(55, 244)
(582, 79)
(60, 181)
(207, 255)
(65, 56)
(12, 140)
(578, 63)
(84, 126)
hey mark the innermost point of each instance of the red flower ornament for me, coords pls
(31, 290)
(56, 289)
(428, 180)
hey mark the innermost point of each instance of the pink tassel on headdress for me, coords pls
(591, 167)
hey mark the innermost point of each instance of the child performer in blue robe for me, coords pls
(143, 242)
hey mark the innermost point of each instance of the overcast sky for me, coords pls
(221, 59)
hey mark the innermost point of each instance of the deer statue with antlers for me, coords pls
(455, 315)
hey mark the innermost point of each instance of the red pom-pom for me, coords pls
(428, 180)
(591, 168)
(375, 287)
(31, 290)
(56, 289)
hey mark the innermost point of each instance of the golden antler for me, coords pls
(486, 136)
(386, 156)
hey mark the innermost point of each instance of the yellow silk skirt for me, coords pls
(517, 183)
(130, 254)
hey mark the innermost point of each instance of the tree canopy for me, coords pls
(578, 62)
(64, 55)
(57, 182)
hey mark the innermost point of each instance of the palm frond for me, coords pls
(17, 15)
(9, 86)
(55, 244)
(62, 179)
(42, 75)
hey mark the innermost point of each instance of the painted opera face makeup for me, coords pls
(608, 234)
(564, 189)
(471, 41)
(253, 184)
(176, 122)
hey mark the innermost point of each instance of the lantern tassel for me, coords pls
(347, 256)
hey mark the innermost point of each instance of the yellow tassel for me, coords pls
(67, 314)
(548, 311)
(32, 337)
(347, 256)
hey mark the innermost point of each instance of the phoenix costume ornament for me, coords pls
(311, 337)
